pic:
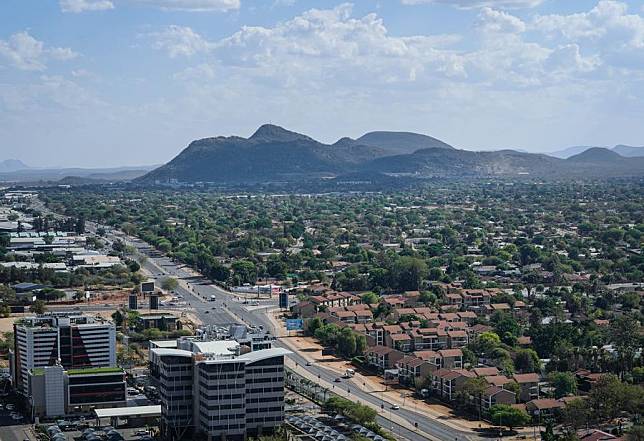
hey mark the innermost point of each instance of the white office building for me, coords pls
(214, 388)
(74, 341)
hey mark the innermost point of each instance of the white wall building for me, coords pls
(213, 388)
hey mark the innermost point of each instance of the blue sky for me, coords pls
(124, 82)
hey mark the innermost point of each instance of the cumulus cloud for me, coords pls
(180, 41)
(24, 52)
(472, 4)
(193, 5)
(609, 20)
(77, 6)
(494, 21)
(329, 47)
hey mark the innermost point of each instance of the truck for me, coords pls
(213, 298)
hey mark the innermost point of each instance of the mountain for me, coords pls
(11, 165)
(596, 154)
(271, 153)
(628, 151)
(401, 142)
(55, 174)
(570, 151)
(623, 150)
(276, 155)
(438, 162)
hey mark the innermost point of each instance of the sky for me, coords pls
(101, 83)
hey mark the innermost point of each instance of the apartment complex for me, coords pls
(218, 388)
(73, 341)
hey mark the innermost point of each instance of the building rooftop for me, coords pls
(95, 371)
(132, 411)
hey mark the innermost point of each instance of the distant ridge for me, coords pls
(401, 142)
(11, 165)
(623, 150)
(596, 154)
(629, 151)
(274, 154)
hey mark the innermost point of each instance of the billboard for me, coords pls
(133, 303)
(294, 324)
(147, 286)
(283, 300)
(154, 302)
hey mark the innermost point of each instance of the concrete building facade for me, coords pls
(216, 389)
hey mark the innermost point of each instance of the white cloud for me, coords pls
(77, 6)
(609, 21)
(194, 5)
(180, 41)
(330, 48)
(472, 4)
(26, 53)
(494, 21)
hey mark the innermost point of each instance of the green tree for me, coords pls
(370, 298)
(576, 414)
(564, 383)
(313, 325)
(169, 284)
(361, 344)
(409, 272)
(38, 307)
(244, 271)
(118, 318)
(347, 342)
(5, 311)
(508, 416)
(626, 334)
(152, 333)
(526, 361)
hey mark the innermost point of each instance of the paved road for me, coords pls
(16, 433)
(196, 291)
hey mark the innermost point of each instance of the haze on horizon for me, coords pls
(100, 83)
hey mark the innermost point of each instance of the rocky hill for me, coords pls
(274, 154)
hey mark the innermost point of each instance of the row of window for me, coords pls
(264, 380)
(265, 399)
(224, 386)
(221, 397)
(264, 419)
(263, 390)
(265, 409)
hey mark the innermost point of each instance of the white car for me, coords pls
(395, 407)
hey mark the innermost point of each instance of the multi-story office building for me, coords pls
(218, 388)
(73, 341)
(55, 392)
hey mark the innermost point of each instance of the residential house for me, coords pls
(528, 386)
(496, 395)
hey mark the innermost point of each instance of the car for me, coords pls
(206, 312)
(338, 380)
(213, 308)
(309, 363)
(10, 406)
(395, 407)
